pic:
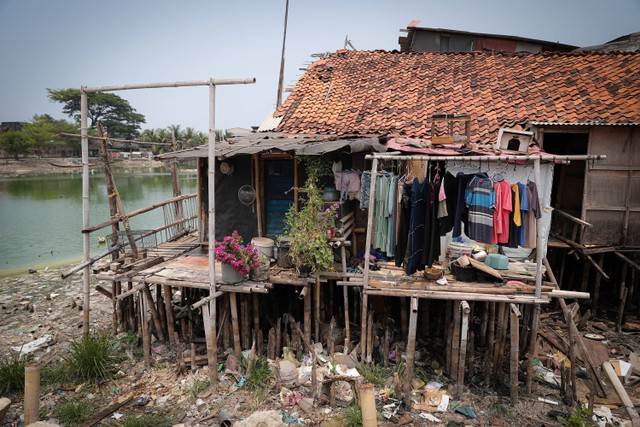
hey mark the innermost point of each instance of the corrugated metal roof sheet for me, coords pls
(305, 145)
(581, 124)
(269, 123)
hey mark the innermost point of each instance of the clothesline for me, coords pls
(542, 157)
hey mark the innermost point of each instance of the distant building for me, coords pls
(628, 43)
(424, 39)
(10, 126)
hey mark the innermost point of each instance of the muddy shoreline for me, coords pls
(33, 166)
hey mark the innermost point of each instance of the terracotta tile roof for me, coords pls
(391, 93)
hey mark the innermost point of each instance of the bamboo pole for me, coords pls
(368, 405)
(307, 315)
(411, 352)
(501, 335)
(144, 325)
(316, 314)
(550, 158)
(455, 342)
(211, 341)
(345, 298)
(154, 313)
(367, 259)
(623, 297)
(515, 342)
(595, 378)
(218, 82)
(169, 310)
(175, 182)
(234, 321)
(622, 394)
(464, 308)
(245, 322)
(31, 393)
(85, 211)
(369, 335)
(278, 349)
(256, 319)
(258, 184)
(596, 286)
(490, 343)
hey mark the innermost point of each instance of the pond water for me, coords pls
(41, 216)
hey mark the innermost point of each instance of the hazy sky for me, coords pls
(71, 43)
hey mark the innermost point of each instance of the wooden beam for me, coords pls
(622, 394)
(411, 351)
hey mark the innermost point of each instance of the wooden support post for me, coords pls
(411, 352)
(271, 344)
(455, 342)
(515, 342)
(257, 331)
(623, 297)
(501, 335)
(226, 330)
(252, 359)
(370, 333)
(484, 324)
(622, 394)
(385, 354)
(448, 337)
(245, 321)
(168, 308)
(237, 348)
(595, 378)
(464, 332)
(31, 393)
(533, 343)
(278, 349)
(307, 316)
(490, 343)
(179, 352)
(162, 314)
(331, 349)
(584, 286)
(209, 322)
(404, 316)
(144, 326)
(424, 317)
(154, 313)
(316, 315)
(471, 351)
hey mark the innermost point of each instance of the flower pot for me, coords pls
(231, 276)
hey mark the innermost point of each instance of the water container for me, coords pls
(264, 246)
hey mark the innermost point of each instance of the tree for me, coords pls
(116, 114)
(44, 131)
(16, 143)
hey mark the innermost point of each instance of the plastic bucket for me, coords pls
(264, 246)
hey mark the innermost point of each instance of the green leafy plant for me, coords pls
(374, 374)
(353, 416)
(260, 374)
(198, 385)
(309, 244)
(580, 418)
(146, 420)
(73, 412)
(12, 373)
(92, 358)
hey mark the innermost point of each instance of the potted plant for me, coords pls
(307, 231)
(237, 259)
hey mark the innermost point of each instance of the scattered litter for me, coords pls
(466, 411)
(428, 416)
(34, 345)
(142, 400)
(117, 415)
(262, 418)
(549, 401)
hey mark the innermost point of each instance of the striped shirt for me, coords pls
(480, 198)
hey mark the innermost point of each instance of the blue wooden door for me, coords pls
(278, 194)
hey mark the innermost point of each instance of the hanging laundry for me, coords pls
(480, 199)
(403, 224)
(416, 226)
(431, 242)
(461, 211)
(383, 213)
(524, 209)
(534, 214)
(365, 186)
(449, 188)
(502, 191)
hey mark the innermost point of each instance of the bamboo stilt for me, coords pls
(179, 352)
(455, 342)
(169, 310)
(271, 344)
(245, 321)
(226, 330)
(411, 350)
(237, 348)
(316, 314)
(345, 297)
(623, 297)
(307, 316)
(484, 324)
(144, 327)
(31, 393)
(464, 331)
(370, 333)
(278, 347)
(500, 338)
(160, 307)
(208, 319)
(154, 313)
(490, 343)
(448, 335)
(385, 354)
(515, 340)
(256, 320)
(331, 349)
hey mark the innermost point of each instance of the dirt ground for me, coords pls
(41, 304)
